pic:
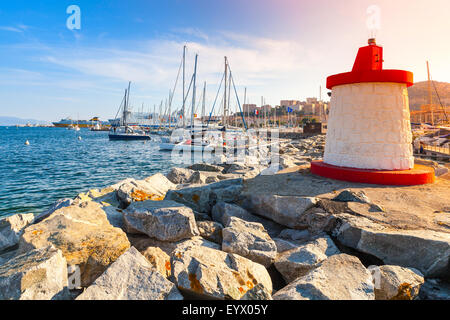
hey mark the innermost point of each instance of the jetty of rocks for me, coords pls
(233, 231)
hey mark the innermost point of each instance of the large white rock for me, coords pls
(285, 210)
(214, 274)
(159, 260)
(299, 261)
(83, 234)
(222, 212)
(258, 292)
(361, 135)
(435, 289)
(131, 277)
(210, 230)
(12, 227)
(425, 250)
(142, 242)
(340, 277)
(203, 198)
(250, 240)
(164, 220)
(39, 274)
(180, 175)
(395, 282)
(151, 188)
(55, 206)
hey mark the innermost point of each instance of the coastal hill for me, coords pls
(418, 94)
(12, 121)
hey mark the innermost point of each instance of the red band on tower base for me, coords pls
(416, 176)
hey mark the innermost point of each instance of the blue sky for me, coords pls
(281, 49)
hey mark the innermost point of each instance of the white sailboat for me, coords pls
(125, 131)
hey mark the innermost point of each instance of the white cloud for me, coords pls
(12, 29)
(253, 60)
(20, 28)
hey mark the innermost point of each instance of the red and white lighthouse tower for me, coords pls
(369, 135)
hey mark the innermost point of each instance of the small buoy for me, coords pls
(27, 143)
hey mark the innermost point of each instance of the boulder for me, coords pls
(210, 230)
(258, 292)
(197, 242)
(214, 179)
(285, 210)
(340, 277)
(319, 220)
(425, 250)
(205, 167)
(443, 219)
(396, 283)
(222, 212)
(105, 195)
(131, 277)
(180, 175)
(83, 234)
(235, 167)
(285, 245)
(299, 261)
(203, 198)
(351, 196)
(164, 220)
(296, 235)
(114, 215)
(214, 274)
(159, 260)
(12, 227)
(200, 178)
(250, 240)
(435, 289)
(39, 274)
(61, 203)
(142, 242)
(273, 169)
(8, 255)
(152, 188)
(439, 170)
(287, 161)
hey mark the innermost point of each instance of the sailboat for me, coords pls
(125, 131)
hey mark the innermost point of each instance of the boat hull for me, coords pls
(125, 137)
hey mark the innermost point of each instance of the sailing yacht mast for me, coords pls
(194, 89)
(170, 108)
(430, 97)
(243, 105)
(225, 95)
(184, 85)
(124, 115)
(203, 103)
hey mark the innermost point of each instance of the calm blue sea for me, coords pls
(57, 165)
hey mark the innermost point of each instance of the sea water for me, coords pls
(57, 164)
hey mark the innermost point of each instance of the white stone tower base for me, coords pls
(369, 127)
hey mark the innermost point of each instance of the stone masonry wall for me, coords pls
(369, 127)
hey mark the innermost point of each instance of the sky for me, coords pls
(279, 49)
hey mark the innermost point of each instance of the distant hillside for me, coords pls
(418, 94)
(12, 121)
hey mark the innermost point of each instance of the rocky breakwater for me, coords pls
(232, 231)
